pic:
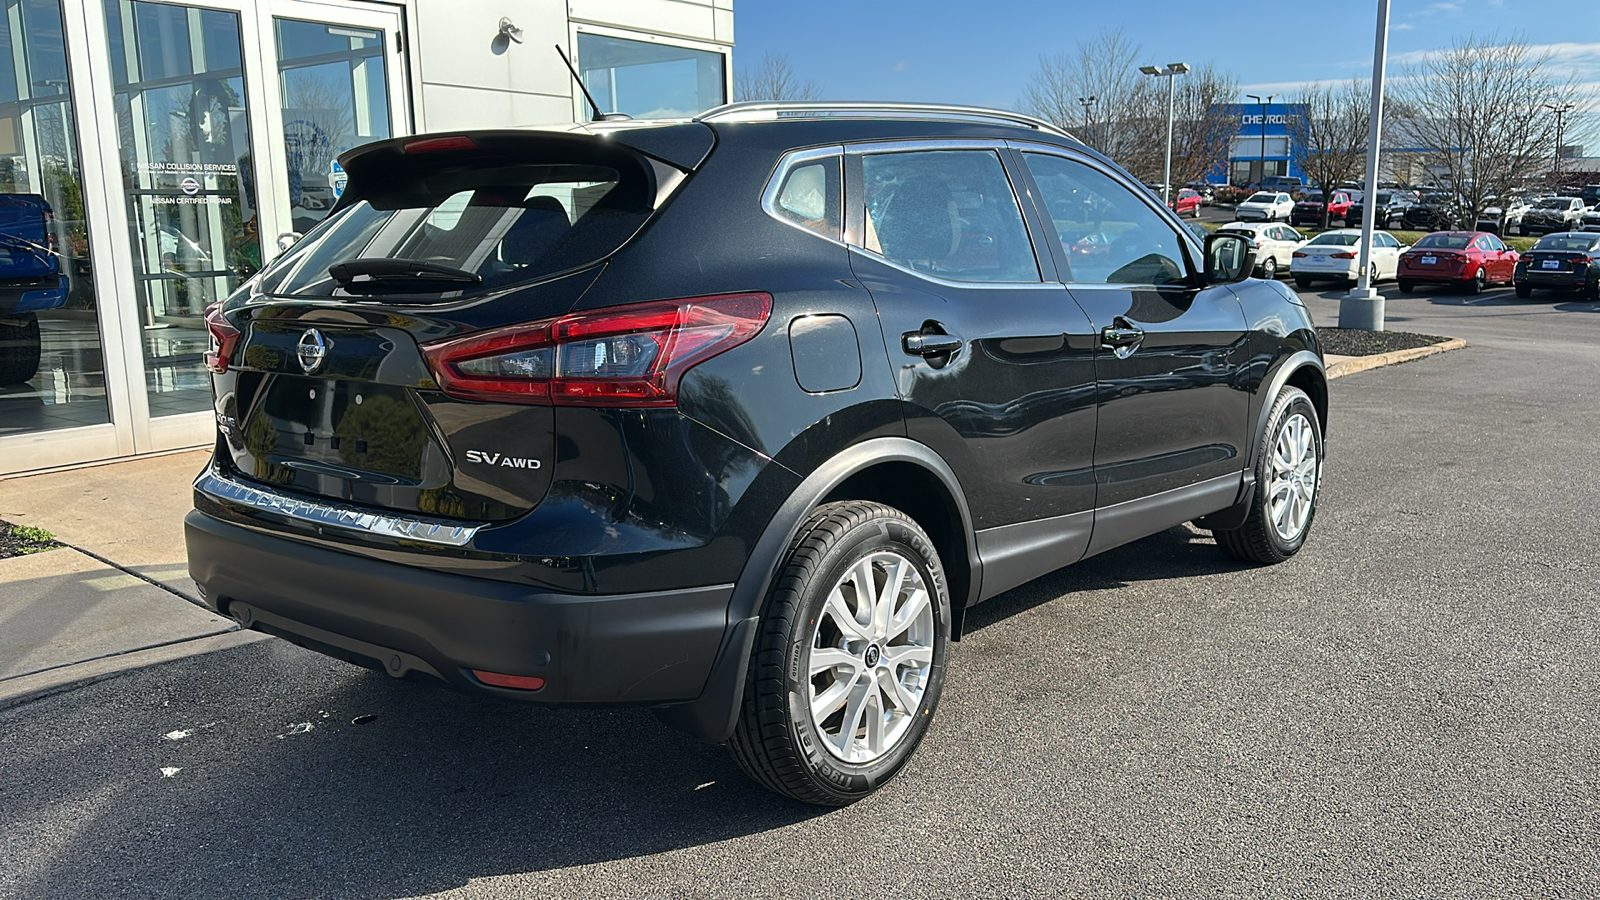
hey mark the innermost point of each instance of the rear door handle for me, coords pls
(919, 343)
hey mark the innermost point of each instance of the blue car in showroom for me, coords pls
(31, 281)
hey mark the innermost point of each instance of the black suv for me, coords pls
(735, 418)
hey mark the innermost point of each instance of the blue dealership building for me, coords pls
(1261, 146)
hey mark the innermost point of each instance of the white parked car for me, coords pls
(1265, 206)
(1337, 255)
(1591, 218)
(1275, 243)
(1511, 207)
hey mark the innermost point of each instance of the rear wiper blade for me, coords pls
(383, 269)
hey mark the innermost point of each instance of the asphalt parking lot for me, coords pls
(1408, 708)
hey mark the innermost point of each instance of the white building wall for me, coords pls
(466, 76)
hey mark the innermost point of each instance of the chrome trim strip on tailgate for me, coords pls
(334, 515)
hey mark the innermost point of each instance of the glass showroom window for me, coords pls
(183, 131)
(648, 80)
(52, 372)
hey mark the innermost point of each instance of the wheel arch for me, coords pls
(896, 471)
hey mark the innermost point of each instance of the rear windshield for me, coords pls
(1567, 242)
(1262, 197)
(1336, 240)
(1313, 197)
(1445, 241)
(487, 227)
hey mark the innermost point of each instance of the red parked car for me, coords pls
(1187, 203)
(1309, 210)
(1469, 259)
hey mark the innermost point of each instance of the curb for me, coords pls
(26, 688)
(1355, 364)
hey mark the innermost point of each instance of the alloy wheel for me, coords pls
(871, 656)
(1292, 487)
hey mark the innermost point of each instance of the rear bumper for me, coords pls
(1537, 278)
(33, 295)
(1436, 276)
(591, 649)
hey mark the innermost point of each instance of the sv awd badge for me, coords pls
(496, 459)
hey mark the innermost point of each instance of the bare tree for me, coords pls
(1128, 118)
(1329, 141)
(773, 79)
(1478, 109)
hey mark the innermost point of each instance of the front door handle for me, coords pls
(918, 343)
(1121, 337)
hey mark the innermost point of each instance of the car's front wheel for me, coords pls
(19, 349)
(849, 662)
(1288, 477)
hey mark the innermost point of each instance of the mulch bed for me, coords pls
(19, 541)
(1360, 342)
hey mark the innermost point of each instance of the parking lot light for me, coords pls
(1167, 72)
(1363, 306)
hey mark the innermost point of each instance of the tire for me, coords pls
(19, 350)
(779, 740)
(1524, 291)
(1478, 282)
(1591, 291)
(1288, 468)
(1269, 268)
(1406, 287)
(1302, 282)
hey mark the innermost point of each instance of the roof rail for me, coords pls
(771, 111)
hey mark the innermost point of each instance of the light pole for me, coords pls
(1555, 166)
(1257, 99)
(1168, 72)
(1363, 306)
(1087, 102)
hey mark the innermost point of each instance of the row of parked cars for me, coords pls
(1470, 260)
(1426, 210)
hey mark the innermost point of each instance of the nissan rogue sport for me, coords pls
(736, 417)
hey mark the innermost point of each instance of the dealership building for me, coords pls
(178, 143)
(1261, 148)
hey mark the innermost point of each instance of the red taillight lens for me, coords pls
(224, 338)
(1299, 255)
(438, 144)
(626, 356)
(1345, 254)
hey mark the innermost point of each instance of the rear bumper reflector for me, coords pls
(334, 515)
(515, 682)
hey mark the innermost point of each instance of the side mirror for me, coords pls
(287, 240)
(1229, 258)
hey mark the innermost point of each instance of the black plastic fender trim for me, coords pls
(1280, 377)
(712, 716)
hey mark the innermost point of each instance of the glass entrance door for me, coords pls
(182, 102)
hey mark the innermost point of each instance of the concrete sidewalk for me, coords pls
(118, 593)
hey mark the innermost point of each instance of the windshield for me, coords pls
(1313, 197)
(1567, 242)
(495, 226)
(1553, 203)
(1444, 241)
(1330, 239)
(1385, 198)
(1262, 197)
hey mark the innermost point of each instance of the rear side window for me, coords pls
(947, 213)
(809, 197)
(482, 226)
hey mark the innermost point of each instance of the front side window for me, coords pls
(947, 213)
(1109, 234)
(648, 80)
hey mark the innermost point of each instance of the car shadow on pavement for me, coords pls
(1183, 551)
(244, 774)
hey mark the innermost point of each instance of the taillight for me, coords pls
(224, 338)
(1299, 255)
(1344, 254)
(625, 356)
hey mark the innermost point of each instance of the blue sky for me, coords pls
(981, 52)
